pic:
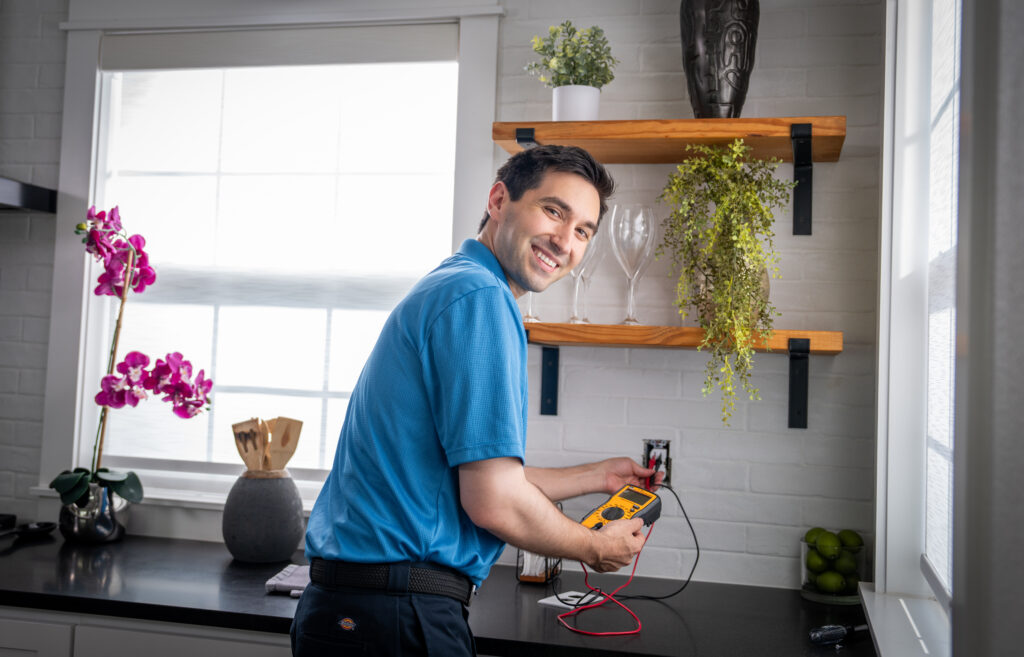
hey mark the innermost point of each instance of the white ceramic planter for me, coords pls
(575, 102)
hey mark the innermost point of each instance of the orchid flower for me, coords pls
(107, 241)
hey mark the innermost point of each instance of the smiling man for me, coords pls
(429, 481)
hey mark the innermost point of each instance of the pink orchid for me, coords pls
(106, 240)
(117, 391)
(134, 366)
(111, 282)
(99, 245)
(170, 376)
(167, 373)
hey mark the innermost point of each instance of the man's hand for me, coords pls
(624, 539)
(621, 471)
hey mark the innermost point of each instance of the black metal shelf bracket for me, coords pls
(803, 170)
(549, 381)
(799, 368)
(526, 138)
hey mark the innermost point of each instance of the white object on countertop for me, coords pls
(292, 580)
(570, 597)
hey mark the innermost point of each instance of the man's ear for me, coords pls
(497, 200)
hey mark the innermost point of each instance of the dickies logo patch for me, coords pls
(347, 624)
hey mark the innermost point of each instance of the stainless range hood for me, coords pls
(16, 195)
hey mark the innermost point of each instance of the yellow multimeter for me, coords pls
(628, 502)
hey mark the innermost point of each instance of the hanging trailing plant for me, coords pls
(721, 241)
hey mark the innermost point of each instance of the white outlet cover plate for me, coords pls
(572, 597)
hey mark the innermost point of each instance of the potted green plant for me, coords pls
(576, 64)
(89, 511)
(719, 235)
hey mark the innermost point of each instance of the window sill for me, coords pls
(903, 626)
(179, 498)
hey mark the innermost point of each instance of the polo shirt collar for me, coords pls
(478, 252)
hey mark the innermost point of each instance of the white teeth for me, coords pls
(546, 260)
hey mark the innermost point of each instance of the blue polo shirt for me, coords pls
(445, 385)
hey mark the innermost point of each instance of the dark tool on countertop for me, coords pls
(628, 502)
(30, 529)
(827, 635)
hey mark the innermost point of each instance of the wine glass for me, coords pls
(581, 275)
(632, 237)
(528, 315)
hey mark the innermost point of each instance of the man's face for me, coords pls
(542, 236)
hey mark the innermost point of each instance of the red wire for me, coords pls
(607, 597)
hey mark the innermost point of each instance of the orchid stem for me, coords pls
(97, 450)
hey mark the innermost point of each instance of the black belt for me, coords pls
(394, 577)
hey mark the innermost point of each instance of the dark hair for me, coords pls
(525, 171)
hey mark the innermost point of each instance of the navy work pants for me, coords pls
(355, 621)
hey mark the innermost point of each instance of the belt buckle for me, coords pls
(472, 592)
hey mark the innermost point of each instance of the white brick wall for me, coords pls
(31, 91)
(752, 488)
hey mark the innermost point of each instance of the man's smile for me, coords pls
(548, 263)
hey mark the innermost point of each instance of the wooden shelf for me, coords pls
(653, 141)
(618, 335)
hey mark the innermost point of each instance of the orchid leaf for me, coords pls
(72, 486)
(110, 476)
(130, 488)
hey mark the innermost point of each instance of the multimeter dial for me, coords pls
(612, 513)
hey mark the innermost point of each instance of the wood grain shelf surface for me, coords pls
(686, 337)
(653, 141)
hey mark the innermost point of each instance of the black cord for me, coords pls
(585, 599)
(695, 544)
(591, 596)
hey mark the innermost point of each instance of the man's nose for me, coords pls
(562, 238)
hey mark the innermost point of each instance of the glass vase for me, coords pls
(98, 521)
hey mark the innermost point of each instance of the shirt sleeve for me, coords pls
(473, 361)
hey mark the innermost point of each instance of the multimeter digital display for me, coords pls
(628, 502)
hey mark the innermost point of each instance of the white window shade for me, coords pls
(289, 198)
(280, 47)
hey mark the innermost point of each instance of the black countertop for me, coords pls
(199, 583)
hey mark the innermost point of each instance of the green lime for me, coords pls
(815, 562)
(812, 534)
(830, 582)
(851, 584)
(850, 538)
(846, 563)
(828, 544)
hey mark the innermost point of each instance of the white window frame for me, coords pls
(904, 588)
(66, 371)
(903, 309)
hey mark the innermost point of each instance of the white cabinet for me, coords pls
(27, 638)
(91, 641)
(39, 633)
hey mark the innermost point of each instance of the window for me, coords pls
(941, 276)
(918, 302)
(287, 208)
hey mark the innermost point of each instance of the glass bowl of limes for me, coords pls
(833, 563)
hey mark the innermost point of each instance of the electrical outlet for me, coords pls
(658, 450)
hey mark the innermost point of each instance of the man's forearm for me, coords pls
(562, 483)
(517, 512)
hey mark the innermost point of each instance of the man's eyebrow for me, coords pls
(557, 201)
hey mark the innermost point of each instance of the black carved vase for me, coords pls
(718, 53)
